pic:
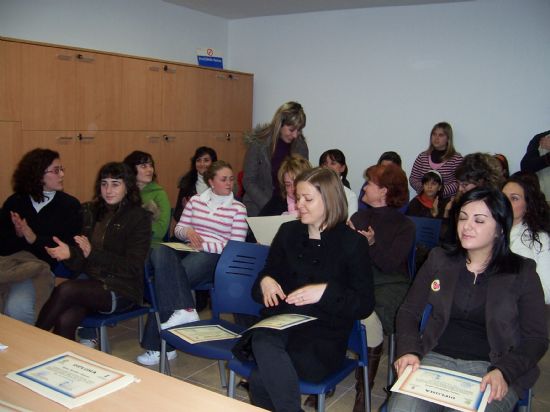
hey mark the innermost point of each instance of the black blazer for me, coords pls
(515, 316)
(318, 348)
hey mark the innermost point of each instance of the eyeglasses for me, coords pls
(56, 170)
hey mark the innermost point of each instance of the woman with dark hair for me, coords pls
(486, 305)
(336, 160)
(37, 211)
(529, 236)
(193, 182)
(390, 235)
(430, 202)
(153, 197)
(317, 266)
(441, 156)
(268, 146)
(111, 252)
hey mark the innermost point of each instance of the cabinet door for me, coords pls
(10, 80)
(229, 146)
(180, 105)
(238, 102)
(48, 88)
(141, 94)
(10, 136)
(98, 91)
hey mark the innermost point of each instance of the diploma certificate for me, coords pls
(444, 387)
(281, 322)
(182, 247)
(71, 380)
(196, 334)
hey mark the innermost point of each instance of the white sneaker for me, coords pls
(179, 317)
(152, 357)
(91, 343)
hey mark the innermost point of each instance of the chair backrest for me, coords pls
(357, 341)
(425, 316)
(427, 231)
(236, 272)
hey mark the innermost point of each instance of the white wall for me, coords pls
(148, 28)
(377, 79)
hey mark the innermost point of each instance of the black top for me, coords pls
(532, 161)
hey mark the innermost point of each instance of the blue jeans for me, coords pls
(403, 403)
(176, 274)
(21, 301)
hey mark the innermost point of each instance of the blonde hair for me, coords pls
(288, 114)
(293, 165)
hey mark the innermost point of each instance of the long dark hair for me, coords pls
(115, 170)
(537, 213)
(338, 156)
(28, 177)
(137, 158)
(188, 182)
(502, 258)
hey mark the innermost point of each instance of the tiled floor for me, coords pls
(204, 372)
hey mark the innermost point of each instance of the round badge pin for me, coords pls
(436, 285)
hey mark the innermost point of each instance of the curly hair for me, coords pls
(393, 178)
(481, 169)
(115, 170)
(28, 177)
(537, 213)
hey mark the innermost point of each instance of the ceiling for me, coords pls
(239, 9)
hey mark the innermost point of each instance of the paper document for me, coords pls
(196, 334)
(281, 322)
(182, 247)
(265, 227)
(71, 380)
(444, 387)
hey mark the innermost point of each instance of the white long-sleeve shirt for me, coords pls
(216, 219)
(520, 243)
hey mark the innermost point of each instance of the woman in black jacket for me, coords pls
(317, 266)
(111, 252)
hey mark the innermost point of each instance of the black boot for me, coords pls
(374, 359)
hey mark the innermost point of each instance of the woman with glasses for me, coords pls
(36, 211)
(110, 251)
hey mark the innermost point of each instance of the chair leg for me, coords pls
(163, 358)
(223, 377)
(321, 402)
(104, 340)
(366, 389)
(140, 328)
(231, 385)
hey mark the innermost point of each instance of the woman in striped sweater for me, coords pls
(207, 223)
(441, 156)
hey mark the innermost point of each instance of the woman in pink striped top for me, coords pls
(441, 156)
(207, 223)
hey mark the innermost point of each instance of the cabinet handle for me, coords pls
(228, 137)
(154, 68)
(64, 57)
(221, 77)
(81, 137)
(82, 58)
(153, 138)
(168, 138)
(232, 77)
(169, 69)
(64, 139)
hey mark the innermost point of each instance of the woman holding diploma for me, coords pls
(110, 251)
(317, 266)
(488, 305)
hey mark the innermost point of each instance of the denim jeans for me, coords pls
(403, 403)
(176, 274)
(20, 302)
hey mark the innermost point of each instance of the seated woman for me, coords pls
(316, 266)
(430, 202)
(153, 197)
(207, 223)
(336, 160)
(529, 236)
(390, 235)
(285, 202)
(37, 211)
(111, 252)
(486, 311)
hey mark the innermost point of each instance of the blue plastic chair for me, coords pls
(427, 230)
(101, 321)
(236, 272)
(357, 343)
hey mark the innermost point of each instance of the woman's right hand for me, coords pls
(194, 238)
(404, 361)
(271, 291)
(60, 252)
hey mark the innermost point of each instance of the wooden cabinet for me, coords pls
(95, 107)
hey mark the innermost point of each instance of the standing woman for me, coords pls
(268, 145)
(487, 306)
(207, 223)
(37, 211)
(529, 236)
(111, 251)
(441, 156)
(317, 266)
(153, 197)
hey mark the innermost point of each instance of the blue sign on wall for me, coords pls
(210, 61)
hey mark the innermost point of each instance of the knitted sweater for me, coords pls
(155, 200)
(216, 225)
(422, 165)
